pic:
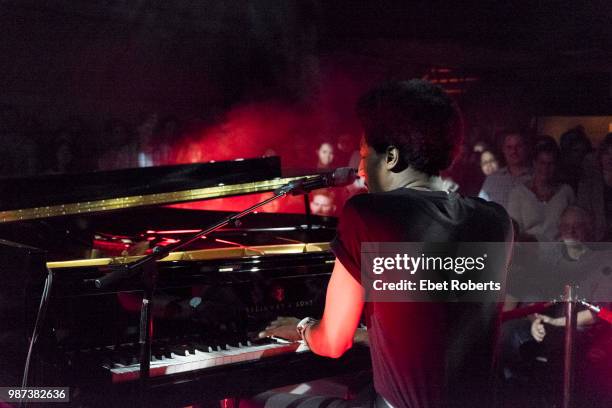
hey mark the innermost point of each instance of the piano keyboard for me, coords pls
(198, 356)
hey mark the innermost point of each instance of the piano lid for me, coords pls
(68, 194)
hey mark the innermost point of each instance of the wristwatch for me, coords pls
(303, 325)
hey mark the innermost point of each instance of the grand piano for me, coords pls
(211, 298)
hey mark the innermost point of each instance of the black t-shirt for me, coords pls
(426, 354)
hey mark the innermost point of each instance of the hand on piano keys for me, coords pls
(192, 356)
(283, 327)
(286, 328)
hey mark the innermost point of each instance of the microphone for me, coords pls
(342, 176)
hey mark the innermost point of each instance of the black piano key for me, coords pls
(262, 342)
(178, 350)
(233, 342)
(133, 359)
(117, 358)
(191, 347)
(163, 352)
(106, 362)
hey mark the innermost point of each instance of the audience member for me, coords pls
(120, 151)
(595, 192)
(269, 152)
(81, 143)
(498, 185)
(325, 156)
(347, 152)
(570, 261)
(145, 132)
(168, 132)
(575, 146)
(537, 205)
(480, 147)
(63, 158)
(465, 173)
(488, 163)
(545, 141)
(322, 203)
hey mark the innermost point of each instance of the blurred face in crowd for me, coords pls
(479, 147)
(346, 143)
(145, 129)
(269, 153)
(322, 204)
(515, 151)
(606, 160)
(325, 154)
(574, 226)
(544, 166)
(576, 153)
(488, 163)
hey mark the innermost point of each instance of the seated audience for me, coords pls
(595, 192)
(541, 141)
(145, 132)
(465, 173)
(498, 185)
(571, 261)
(575, 146)
(63, 157)
(347, 151)
(120, 150)
(167, 133)
(537, 205)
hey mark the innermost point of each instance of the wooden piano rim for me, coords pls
(201, 254)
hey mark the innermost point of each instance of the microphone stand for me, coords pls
(308, 212)
(147, 266)
(568, 345)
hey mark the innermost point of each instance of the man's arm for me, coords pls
(583, 318)
(334, 334)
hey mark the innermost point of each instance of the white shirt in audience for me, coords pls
(539, 218)
(497, 186)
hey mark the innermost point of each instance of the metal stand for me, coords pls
(149, 280)
(307, 211)
(568, 345)
(147, 266)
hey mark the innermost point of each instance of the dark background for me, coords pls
(506, 62)
(118, 57)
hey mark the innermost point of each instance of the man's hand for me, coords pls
(284, 327)
(556, 321)
(537, 329)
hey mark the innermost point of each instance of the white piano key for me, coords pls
(205, 359)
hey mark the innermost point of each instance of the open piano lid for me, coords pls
(46, 196)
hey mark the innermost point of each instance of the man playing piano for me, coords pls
(423, 354)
